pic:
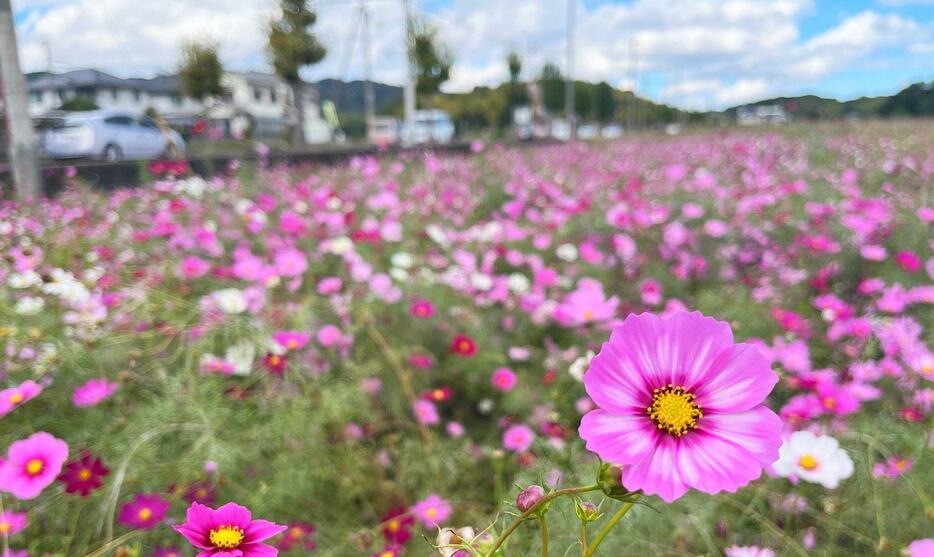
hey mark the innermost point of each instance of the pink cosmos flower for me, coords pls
(680, 406)
(518, 438)
(93, 392)
(290, 263)
(422, 309)
(504, 379)
(908, 260)
(32, 464)
(12, 523)
(193, 267)
(228, 531)
(329, 335)
(292, 340)
(432, 511)
(921, 548)
(17, 396)
(426, 412)
(145, 511)
(748, 551)
(585, 305)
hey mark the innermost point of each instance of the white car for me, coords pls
(107, 135)
(428, 126)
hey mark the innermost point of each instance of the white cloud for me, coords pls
(743, 91)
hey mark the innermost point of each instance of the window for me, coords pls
(273, 96)
(257, 94)
(148, 123)
(115, 93)
(35, 97)
(137, 95)
(119, 121)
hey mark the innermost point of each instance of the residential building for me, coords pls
(256, 100)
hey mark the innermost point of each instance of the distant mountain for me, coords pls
(348, 96)
(915, 100)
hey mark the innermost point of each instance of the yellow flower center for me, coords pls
(226, 537)
(292, 343)
(387, 554)
(34, 467)
(588, 314)
(438, 394)
(16, 398)
(463, 346)
(274, 360)
(296, 532)
(5, 527)
(84, 474)
(807, 462)
(393, 525)
(830, 402)
(431, 512)
(901, 465)
(144, 514)
(673, 410)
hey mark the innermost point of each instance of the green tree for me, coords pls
(433, 60)
(605, 103)
(292, 46)
(552, 84)
(583, 99)
(517, 93)
(200, 70)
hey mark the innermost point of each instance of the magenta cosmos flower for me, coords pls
(32, 464)
(93, 392)
(228, 531)
(680, 406)
(17, 396)
(432, 510)
(145, 511)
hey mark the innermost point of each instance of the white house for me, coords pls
(762, 114)
(262, 100)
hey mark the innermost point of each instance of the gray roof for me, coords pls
(167, 84)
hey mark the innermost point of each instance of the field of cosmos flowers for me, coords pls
(713, 344)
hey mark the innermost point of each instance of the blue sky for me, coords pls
(694, 53)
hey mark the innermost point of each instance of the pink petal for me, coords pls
(259, 550)
(260, 530)
(712, 464)
(195, 537)
(688, 346)
(658, 473)
(742, 379)
(232, 514)
(618, 438)
(201, 518)
(757, 431)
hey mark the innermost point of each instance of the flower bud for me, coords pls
(586, 511)
(610, 481)
(529, 497)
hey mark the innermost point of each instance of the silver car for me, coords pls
(107, 135)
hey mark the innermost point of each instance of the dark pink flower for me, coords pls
(93, 392)
(145, 511)
(228, 531)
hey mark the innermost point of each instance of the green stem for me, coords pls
(605, 531)
(524, 516)
(583, 537)
(544, 535)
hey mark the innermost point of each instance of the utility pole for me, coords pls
(569, 78)
(631, 101)
(23, 142)
(368, 101)
(408, 93)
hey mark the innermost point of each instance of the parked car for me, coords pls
(429, 126)
(383, 131)
(106, 135)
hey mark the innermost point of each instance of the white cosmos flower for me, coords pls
(340, 245)
(402, 260)
(437, 235)
(241, 355)
(230, 300)
(481, 282)
(567, 252)
(813, 458)
(24, 280)
(456, 537)
(579, 366)
(518, 283)
(29, 305)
